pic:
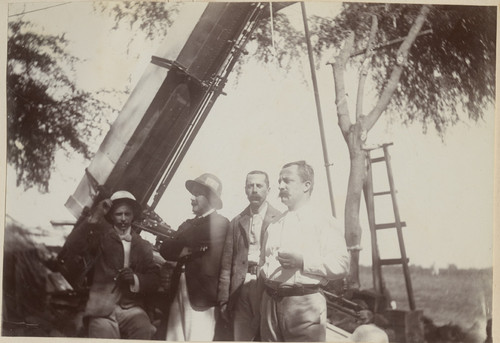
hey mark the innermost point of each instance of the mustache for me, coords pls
(254, 197)
(284, 194)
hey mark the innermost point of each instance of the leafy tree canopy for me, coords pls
(45, 110)
(449, 70)
(152, 18)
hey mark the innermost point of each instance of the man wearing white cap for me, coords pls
(124, 271)
(197, 247)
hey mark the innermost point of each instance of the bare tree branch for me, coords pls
(389, 43)
(365, 67)
(340, 93)
(401, 59)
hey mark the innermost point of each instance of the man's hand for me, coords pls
(186, 251)
(224, 313)
(125, 277)
(100, 210)
(289, 260)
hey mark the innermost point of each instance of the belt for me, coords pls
(289, 290)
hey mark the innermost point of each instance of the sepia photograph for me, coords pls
(249, 171)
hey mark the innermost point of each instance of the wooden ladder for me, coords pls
(370, 196)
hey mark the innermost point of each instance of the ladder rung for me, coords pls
(393, 261)
(389, 226)
(382, 193)
(375, 147)
(377, 159)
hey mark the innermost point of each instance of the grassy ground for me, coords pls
(455, 296)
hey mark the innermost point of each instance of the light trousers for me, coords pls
(292, 319)
(187, 322)
(132, 323)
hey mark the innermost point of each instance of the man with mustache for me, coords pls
(197, 248)
(303, 250)
(239, 296)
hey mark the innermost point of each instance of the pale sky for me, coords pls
(268, 118)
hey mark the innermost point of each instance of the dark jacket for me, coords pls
(106, 246)
(235, 256)
(205, 237)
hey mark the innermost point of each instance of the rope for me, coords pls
(272, 28)
(37, 10)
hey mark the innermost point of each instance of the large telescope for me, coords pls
(162, 116)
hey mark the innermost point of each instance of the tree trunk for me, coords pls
(355, 134)
(357, 176)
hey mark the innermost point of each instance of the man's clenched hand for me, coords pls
(125, 277)
(100, 210)
(290, 260)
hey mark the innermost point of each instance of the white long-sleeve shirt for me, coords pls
(317, 237)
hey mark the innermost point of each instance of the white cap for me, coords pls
(122, 195)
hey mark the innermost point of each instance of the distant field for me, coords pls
(455, 296)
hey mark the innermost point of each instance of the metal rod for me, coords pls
(389, 43)
(340, 308)
(62, 222)
(272, 25)
(318, 107)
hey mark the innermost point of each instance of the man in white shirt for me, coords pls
(238, 294)
(303, 250)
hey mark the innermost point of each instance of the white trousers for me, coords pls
(293, 319)
(187, 322)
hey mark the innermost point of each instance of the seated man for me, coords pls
(124, 271)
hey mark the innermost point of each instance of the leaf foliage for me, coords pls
(45, 110)
(150, 17)
(448, 71)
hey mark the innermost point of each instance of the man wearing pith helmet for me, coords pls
(124, 271)
(197, 248)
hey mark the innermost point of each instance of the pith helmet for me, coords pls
(208, 185)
